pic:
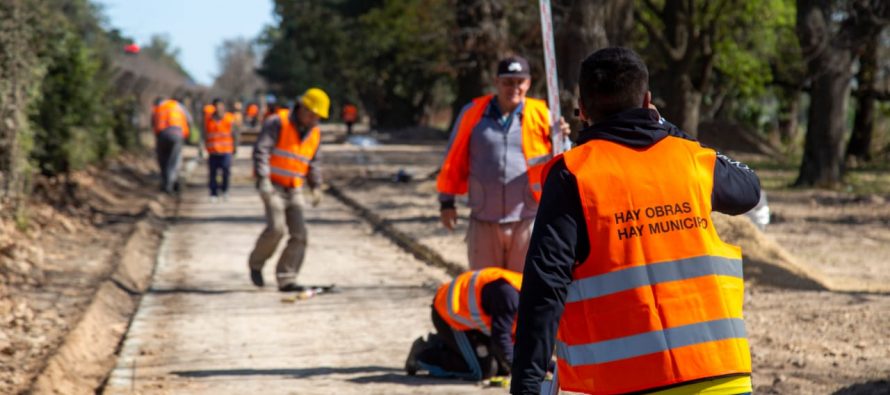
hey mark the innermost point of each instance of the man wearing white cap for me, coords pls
(496, 154)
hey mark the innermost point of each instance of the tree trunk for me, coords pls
(481, 42)
(584, 26)
(859, 147)
(18, 59)
(822, 164)
(829, 47)
(688, 65)
(683, 107)
(789, 111)
(829, 66)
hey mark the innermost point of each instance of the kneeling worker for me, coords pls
(475, 317)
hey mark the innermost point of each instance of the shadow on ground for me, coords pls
(403, 379)
(875, 387)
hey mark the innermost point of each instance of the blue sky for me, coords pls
(196, 27)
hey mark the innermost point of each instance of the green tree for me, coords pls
(393, 69)
(831, 33)
(403, 58)
(21, 71)
(697, 39)
(306, 48)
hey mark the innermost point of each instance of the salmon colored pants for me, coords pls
(492, 244)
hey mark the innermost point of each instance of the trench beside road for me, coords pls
(204, 328)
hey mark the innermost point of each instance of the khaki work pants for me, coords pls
(491, 244)
(284, 212)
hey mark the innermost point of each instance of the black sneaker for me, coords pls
(291, 287)
(256, 277)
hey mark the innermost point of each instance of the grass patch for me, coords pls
(870, 179)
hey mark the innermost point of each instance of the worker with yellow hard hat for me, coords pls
(285, 159)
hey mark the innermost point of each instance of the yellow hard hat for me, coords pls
(315, 100)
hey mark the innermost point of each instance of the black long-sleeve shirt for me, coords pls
(501, 301)
(559, 240)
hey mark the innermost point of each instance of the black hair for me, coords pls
(216, 101)
(158, 100)
(612, 80)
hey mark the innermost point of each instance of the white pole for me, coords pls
(552, 80)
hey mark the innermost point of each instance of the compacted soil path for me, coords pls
(204, 328)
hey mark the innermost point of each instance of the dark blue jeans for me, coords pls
(219, 163)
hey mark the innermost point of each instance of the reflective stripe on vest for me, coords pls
(454, 177)
(169, 114)
(458, 302)
(454, 305)
(650, 342)
(660, 292)
(291, 155)
(651, 274)
(289, 160)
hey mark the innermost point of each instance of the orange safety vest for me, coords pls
(350, 113)
(459, 303)
(289, 161)
(453, 178)
(170, 114)
(658, 302)
(219, 135)
(252, 110)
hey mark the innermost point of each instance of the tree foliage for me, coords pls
(702, 43)
(60, 112)
(388, 55)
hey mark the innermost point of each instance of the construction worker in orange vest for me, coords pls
(221, 142)
(474, 316)
(625, 260)
(349, 115)
(171, 127)
(252, 114)
(497, 148)
(285, 159)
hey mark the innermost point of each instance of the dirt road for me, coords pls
(802, 342)
(203, 328)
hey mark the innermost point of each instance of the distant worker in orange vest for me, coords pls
(474, 316)
(497, 148)
(221, 142)
(285, 160)
(252, 115)
(349, 115)
(625, 260)
(171, 127)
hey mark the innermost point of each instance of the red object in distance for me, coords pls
(131, 48)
